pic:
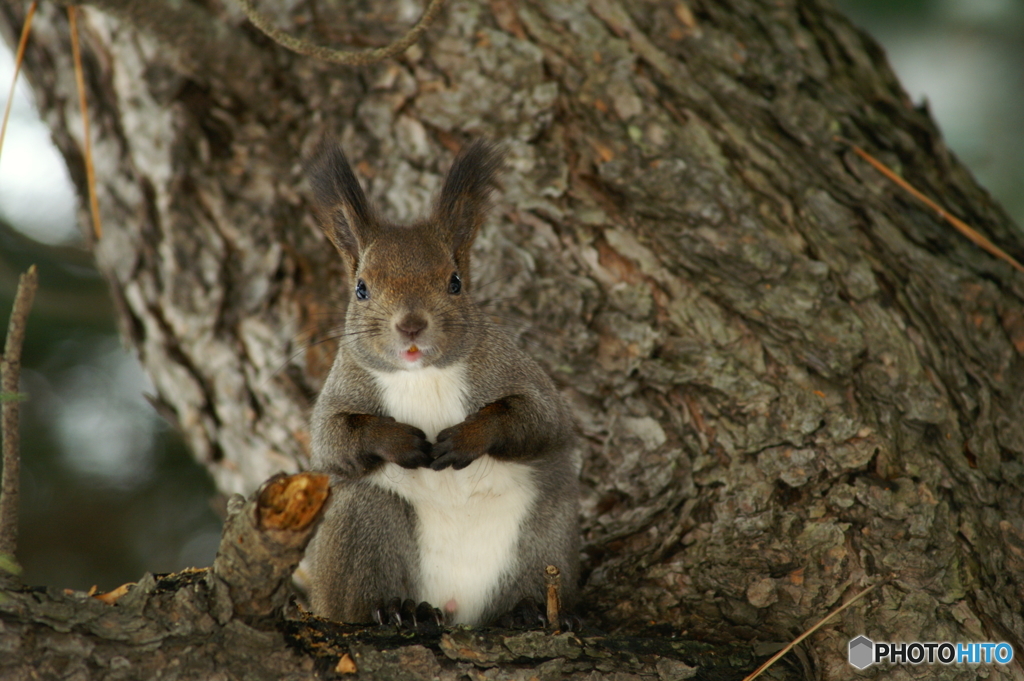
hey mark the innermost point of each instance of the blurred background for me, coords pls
(108, 490)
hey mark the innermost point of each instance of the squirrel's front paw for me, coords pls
(460, 445)
(401, 443)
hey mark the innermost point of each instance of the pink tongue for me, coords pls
(451, 606)
(412, 354)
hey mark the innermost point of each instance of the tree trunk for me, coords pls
(792, 379)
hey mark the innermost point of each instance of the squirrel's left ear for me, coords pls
(465, 198)
(345, 215)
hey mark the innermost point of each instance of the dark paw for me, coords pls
(525, 615)
(414, 458)
(452, 450)
(405, 445)
(570, 621)
(456, 460)
(528, 615)
(407, 616)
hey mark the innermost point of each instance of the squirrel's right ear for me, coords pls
(462, 205)
(341, 206)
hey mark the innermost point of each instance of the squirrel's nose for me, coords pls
(411, 325)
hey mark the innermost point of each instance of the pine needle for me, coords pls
(959, 224)
(26, 28)
(757, 672)
(90, 172)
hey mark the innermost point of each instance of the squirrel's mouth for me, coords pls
(412, 354)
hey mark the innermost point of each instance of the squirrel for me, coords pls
(451, 453)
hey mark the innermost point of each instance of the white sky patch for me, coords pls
(964, 57)
(960, 74)
(36, 194)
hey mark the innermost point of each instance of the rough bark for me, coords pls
(178, 626)
(236, 620)
(790, 377)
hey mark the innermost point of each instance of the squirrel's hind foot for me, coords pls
(528, 615)
(407, 616)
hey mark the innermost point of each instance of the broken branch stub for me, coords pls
(264, 540)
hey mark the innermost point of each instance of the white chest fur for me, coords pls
(429, 398)
(469, 520)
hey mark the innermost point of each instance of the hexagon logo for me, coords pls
(862, 652)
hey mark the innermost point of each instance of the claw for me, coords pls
(426, 614)
(571, 622)
(525, 615)
(528, 615)
(408, 616)
(408, 613)
(395, 612)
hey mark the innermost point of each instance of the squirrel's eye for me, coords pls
(362, 293)
(454, 284)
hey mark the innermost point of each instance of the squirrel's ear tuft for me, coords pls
(464, 200)
(341, 206)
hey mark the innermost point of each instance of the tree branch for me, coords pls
(231, 621)
(11, 366)
(262, 22)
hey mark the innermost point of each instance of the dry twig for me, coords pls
(308, 49)
(11, 366)
(553, 580)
